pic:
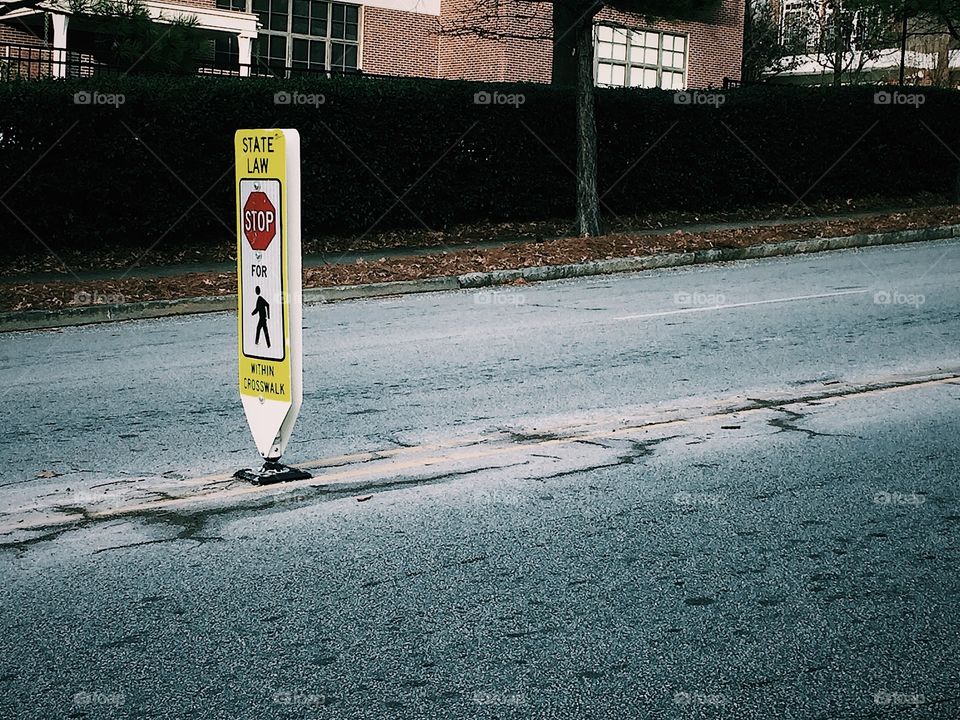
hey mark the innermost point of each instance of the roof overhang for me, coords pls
(209, 19)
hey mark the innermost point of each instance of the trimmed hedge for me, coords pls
(86, 175)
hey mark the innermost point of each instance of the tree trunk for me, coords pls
(588, 201)
(837, 46)
(565, 18)
(903, 42)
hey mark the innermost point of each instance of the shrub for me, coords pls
(381, 153)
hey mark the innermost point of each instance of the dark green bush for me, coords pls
(158, 168)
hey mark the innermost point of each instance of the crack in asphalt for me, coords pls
(306, 493)
(192, 524)
(788, 424)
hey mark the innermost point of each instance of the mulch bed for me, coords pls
(15, 296)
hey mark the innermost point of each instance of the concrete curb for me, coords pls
(400, 287)
(89, 314)
(668, 260)
(41, 319)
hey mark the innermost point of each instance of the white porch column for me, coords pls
(60, 24)
(245, 44)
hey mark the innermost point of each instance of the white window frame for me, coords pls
(327, 39)
(635, 42)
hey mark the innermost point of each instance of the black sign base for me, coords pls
(271, 472)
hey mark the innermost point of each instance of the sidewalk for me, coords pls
(351, 257)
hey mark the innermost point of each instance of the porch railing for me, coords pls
(35, 62)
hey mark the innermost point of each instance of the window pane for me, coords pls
(318, 18)
(344, 57)
(261, 8)
(605, 33)
(351, 31)
(300, 49)
(635, 77)
(278, 48)
(605, 50)
(649, 78)
(668, 42)
(603, 73)
(678, 43)
(650, 56)
(619, 75)
(318, 54)
(619, 52)
(301, 17)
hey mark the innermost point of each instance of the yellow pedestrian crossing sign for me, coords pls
(269, 295)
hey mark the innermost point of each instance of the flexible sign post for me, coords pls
(269, 293)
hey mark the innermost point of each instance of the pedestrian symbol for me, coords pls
(263, 310)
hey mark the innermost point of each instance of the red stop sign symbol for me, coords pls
(259, 220)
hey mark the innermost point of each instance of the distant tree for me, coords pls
(130, 39)
(842, 35)
(764, 52)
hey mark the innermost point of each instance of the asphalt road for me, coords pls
(724, 491)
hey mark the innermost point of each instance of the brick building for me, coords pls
(413, 38)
